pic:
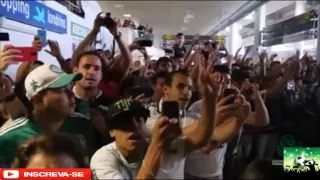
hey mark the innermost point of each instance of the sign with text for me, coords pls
(46, 174)
(79, 30)
(34, 13)
(73, 6)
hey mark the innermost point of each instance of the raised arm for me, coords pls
(163, 133)
(86, 43)
(260, 117)
(202, 131)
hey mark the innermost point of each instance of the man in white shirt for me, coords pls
(178, 88)
(228, 124)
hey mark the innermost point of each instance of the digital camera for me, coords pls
(108, 21)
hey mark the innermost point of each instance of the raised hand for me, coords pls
(98, 22)
(293, 68)
(54, 48)
(7, 54)
(165, 131)
(255, 91)
(244, 107)
(225, 110)
(209, 86)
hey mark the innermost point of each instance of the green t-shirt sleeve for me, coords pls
(5, 155)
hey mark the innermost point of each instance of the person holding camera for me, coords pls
(109, 85)
(129, 157)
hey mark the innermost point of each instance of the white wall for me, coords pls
(23, 34)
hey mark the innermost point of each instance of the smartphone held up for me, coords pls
(28, 54)
(170, 109)
(228, 92)
(42, 34)
(107, 19)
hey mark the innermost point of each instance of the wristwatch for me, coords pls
(116, 37)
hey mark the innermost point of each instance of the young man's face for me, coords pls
(91, 68)
(158, 87)
(58, 101)
(226, 79)
(180, 40)
(128, 138)
(165, 67)
(153, 64)
(179, 90)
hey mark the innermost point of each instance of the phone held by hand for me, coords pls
(4, 36)
(145, 43)
(42, 34)
(108, 21)
(170, 109)
(29, 54)
(228, 92)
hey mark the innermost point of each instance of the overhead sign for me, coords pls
(169, 37)
(79, 30)
(34, 13)
(220, 38)
(73, 6)
(291, 30)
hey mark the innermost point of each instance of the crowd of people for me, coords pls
(199, 113)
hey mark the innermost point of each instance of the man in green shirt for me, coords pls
(53, 101)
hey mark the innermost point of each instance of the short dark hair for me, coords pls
(239, 75)
(38, 62)
(163, 59)
(179, 34)
(52, 144)
(171, 75)
(92, 52)
(221, 69)
(158, 75)
(128, 82)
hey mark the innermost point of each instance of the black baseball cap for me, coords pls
(135, 85)
(122, 113)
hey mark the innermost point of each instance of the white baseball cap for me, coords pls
(47, 76)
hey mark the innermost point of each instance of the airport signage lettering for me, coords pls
(34, 13)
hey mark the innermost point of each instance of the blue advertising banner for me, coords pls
(34, 13)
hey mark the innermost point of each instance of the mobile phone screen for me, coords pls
(228, 92)
(4, 36)
(43, 36)
(27, 53)
(170, 109)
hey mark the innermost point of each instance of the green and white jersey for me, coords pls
(13, 135)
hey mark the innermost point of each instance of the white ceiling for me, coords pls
(167, 17)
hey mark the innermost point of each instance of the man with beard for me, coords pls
(88, 96)
(230, 118)
(178, 88)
